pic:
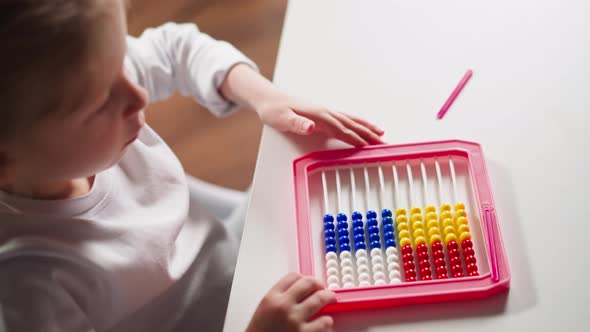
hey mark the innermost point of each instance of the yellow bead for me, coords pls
(400, 212)
(418, 224)
(445, 207)
(430, 209)
(462, 221)
(464, 236)
(401, 218)
(404, 242)
(432, 224)
(434, 238)
(446, 215)
(415, 210)
(449, 230)
(450, 237)
(416, 217)
(448, 222)
(434, 231)
(459, 206)
(460, 213)
(431, 216)
(404, 234)
(403, 226)
(463, 228)
(420, 240)
(419, 232)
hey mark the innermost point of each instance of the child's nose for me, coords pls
(137, 99)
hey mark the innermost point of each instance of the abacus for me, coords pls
(371, 226)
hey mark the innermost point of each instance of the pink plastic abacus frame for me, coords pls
(465, 288)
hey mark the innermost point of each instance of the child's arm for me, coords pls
(246, 87)
(291, 306)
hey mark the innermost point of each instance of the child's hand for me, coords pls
(290, 306)
(303, 118)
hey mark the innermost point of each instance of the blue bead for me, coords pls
(330, 241)
(388, 220)
(358, 230)
(360, 245)
(359, 238)
(328, 225)
(341, 217)
(343, 240)
(375, 244)
(373, 230)
(342, 224)
(357, 223)
(387, 228)
(343, 232)
(390, 243)
(328, 217)
(389, 235)
(374, 237)
(371, 214)
(372, 222)
(386, 213)
(329, 233)
(331, 248)
(357, 215)
(345, 247)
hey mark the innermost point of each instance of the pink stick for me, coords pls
(454, 95)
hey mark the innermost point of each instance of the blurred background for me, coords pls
(220, 151)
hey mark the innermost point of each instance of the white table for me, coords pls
(395, 62)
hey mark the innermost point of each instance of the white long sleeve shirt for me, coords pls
(136, 253)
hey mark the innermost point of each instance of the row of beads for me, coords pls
(451, 238)
(403, 228)
(465, 237)
(440, 265)
(345, 255)
(417, 226)
(392, 255)
(362, 263)
(331, 256)
(375, 245)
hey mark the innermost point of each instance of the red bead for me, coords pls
(455, 260)
(408, 258)
(409, 265)
(407, 249)
(421, 247)
(411, 279)
(439, 254)
(468, 252)
(424, 264)
(426, 275)
(410, 274)
(442, 276)
(452, 245)
(470, 260)
(440, 262)
(467, 243)
(457, 269)
(437, 246)
(423, 256)
(471, 267)
(441, 269)
(473, 274)
(454, 253)
(457, 275)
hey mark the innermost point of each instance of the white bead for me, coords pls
(333, 280)
(347, 270)
(391, 259)
(346, 262)
(380, 282)
(377, 268)
(362, 269)
(347, 279)
(345, 254)
(364, 277)
(348, 285)
(393, 281)
(332, 263)
(376, 252)
(393, 267)
(393, 275)
(364, 284)
(377, 260)
(331, 256)
(362, 261)
(361, 253)
(332, 271)
(379, 276)
(391, 251)
(333, 286)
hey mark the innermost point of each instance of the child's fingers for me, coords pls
(286, 282)
(303, 288)
(360, 129)
(335, 128)
(311, 305)
(321, 324)
(367, 124)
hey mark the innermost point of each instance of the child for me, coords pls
(99, 230)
